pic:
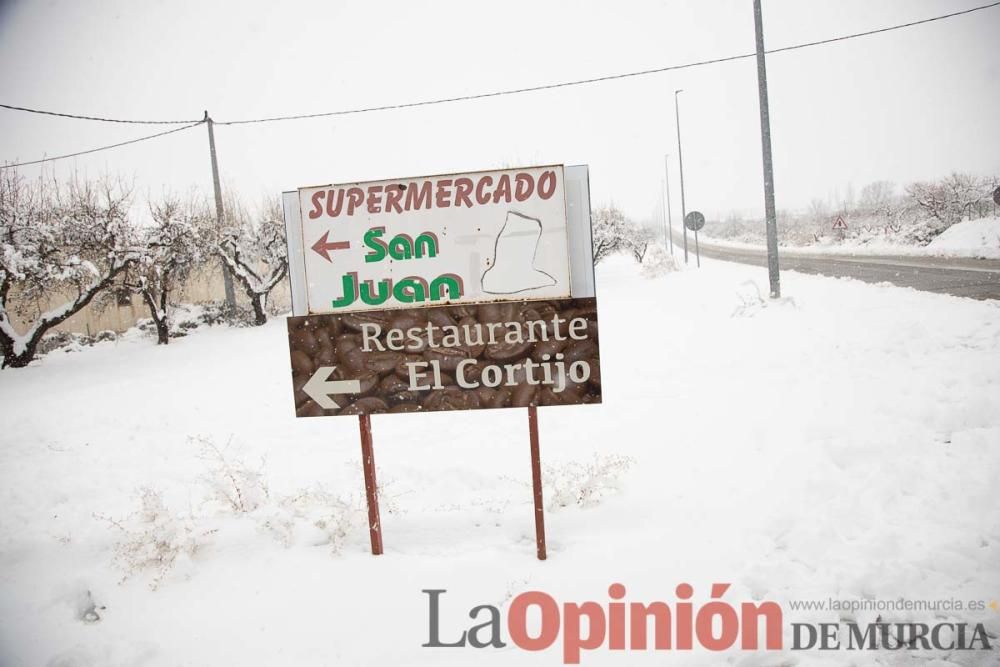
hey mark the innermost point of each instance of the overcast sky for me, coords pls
(912, 104)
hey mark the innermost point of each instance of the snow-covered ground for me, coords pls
(840, 443)
(972, 238)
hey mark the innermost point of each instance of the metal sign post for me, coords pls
(371, 486)
(536, 482)
(840, 227)
(695, 221)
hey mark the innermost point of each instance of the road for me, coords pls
(973, 278)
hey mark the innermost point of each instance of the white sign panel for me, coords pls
(483, 236)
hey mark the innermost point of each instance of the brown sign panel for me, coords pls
(509, 354)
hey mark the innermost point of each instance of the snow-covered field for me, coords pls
(979, 239)
(840, 443)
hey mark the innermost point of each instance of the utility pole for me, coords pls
(680, 159)
(670, 221)
(227, 278)
(771, 222)
(663, 217)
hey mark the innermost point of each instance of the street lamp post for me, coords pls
(680, 160)
(670, 221)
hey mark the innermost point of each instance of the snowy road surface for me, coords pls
(841, 443)
(975, 278)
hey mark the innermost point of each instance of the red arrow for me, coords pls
(323, 246)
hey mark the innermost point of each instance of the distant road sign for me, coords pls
(694, 221)
(839, 223)
(996, 196)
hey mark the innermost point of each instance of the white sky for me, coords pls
(912, 104)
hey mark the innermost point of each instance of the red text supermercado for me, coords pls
(397, 197)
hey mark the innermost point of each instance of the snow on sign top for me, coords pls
(435, 240)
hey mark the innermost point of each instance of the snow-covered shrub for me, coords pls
(154, 539)
(657, 262)
(186, 318)
(238, 486)
(330, 519)
(749, 299)
(72, 342)
(584, 484)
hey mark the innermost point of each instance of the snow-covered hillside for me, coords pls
(979, 239)
(840, 443)
(972, 238)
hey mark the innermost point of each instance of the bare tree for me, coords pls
(876, 199)
(952, 198)
(637, 240)
(172, 249)
(254, 251)
(57, 241)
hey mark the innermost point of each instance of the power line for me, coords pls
(877, 31)
(97, 118)
(102, 148)
(479, 96)
(610, 77)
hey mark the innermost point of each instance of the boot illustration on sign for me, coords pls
(513, 268)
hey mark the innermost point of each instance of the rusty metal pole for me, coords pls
(371, 488)
(536, 482)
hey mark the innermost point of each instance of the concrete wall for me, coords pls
(202, 287)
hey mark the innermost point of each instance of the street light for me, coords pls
(680, 159)
(670, 220)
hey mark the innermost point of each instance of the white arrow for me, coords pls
(320, 387)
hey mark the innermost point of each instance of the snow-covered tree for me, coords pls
(637, 240)
(951, 199)
(254, 251)
(58, 241)
(610, 232)
(172, 248)
(876, 200)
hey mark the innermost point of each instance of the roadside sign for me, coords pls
(459, 292)
(405, 304)
(694, 221)
(458, 238)
(510, 354)
(839, 223)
